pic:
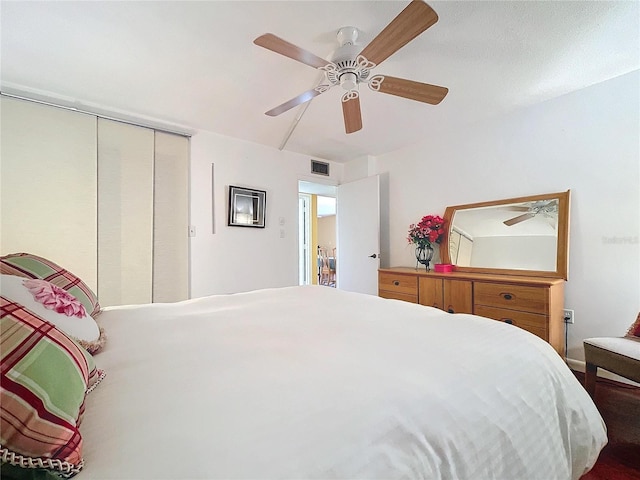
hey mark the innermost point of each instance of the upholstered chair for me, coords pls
(619, 355)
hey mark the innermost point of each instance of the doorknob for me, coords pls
(373, 255)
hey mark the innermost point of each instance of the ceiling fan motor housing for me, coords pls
(348, 72)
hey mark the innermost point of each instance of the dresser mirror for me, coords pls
(524, 235)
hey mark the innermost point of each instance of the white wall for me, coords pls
(528, 252)
(327, 231)
(235, 259)
(586, 141)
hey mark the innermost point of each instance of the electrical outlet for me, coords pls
(568, 316)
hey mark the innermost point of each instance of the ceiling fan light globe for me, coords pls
(348, 81)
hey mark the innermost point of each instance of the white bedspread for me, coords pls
(316, 383)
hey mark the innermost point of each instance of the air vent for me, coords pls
(319, 168)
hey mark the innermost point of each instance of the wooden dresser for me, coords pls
(535, 304)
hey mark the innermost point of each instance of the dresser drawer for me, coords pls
(536, 324)
(394, 283)
(516, 297)
(398, 296)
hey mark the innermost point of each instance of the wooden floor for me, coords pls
(619, 405)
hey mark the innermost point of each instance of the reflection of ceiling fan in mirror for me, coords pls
(548, 209)
(351, 65)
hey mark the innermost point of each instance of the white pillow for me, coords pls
(75, 323)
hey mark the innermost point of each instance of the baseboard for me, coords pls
(580, 366)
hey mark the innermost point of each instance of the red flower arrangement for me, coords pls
(429, 230)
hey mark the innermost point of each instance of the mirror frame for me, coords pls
(562, 251)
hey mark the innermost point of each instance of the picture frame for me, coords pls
(246, 207)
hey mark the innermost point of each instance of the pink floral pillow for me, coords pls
(56, 306)
(28, 265)
(55, 298)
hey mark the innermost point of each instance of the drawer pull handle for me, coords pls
(507, 296)
(396, 283)
(450, 310)
(508, 320)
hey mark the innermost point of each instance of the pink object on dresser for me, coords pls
(443, 267)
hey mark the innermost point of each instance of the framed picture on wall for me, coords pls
(246, 207)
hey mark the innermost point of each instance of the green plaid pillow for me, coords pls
(45, 377)
(32, 266)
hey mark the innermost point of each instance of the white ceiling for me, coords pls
(192, 65)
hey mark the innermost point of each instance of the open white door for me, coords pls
(358, 235)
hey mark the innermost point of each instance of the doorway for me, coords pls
(317, 230)
(304, 239)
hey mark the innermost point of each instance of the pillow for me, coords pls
(45, 377)
(56, 306)
(634, 330)
(31, 266)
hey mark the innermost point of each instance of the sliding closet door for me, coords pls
(171, 218)
(125, 213)
(48, 185)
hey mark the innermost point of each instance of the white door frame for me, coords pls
(304, 238)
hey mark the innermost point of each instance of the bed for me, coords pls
(313, 382)
(287, 383)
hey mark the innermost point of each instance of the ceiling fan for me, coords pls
(351, 66)
(548, 209)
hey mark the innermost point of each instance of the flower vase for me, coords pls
(424, 254)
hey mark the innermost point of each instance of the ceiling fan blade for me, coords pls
(411, 22)
(278, 45)
(422, 92)
(515, 208)
(518, 219)
(299, 100)
(352, 115)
